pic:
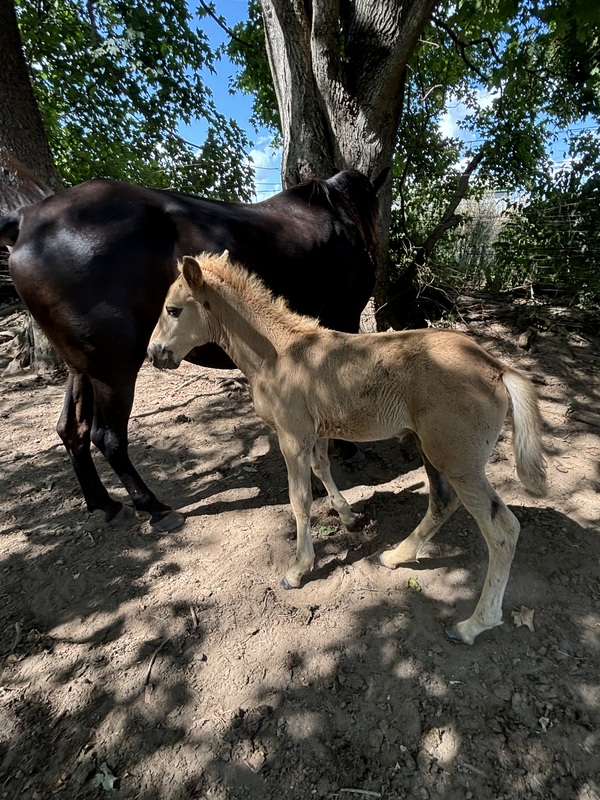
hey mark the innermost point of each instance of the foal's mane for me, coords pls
(254, 293)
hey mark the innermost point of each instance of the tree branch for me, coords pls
(449, 218)
(96, 38)
(223, 26)
(461, 46)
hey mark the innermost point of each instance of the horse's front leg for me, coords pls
(322, 469)
(297, 456)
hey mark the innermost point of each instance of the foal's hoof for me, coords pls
(167, 521)
(285, 584)
(378, 559)
(122, 517)
(453, 636)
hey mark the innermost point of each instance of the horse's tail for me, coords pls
(20, 187)
(527, 421)
(10, 225)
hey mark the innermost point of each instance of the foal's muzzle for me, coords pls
(161, 357)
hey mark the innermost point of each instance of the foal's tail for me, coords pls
(531, 464)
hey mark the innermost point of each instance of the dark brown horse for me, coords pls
(93, 265)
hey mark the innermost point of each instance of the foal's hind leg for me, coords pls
(74, 428)
(443, 502)
(500, 529)
(322, 469)
(109, 434)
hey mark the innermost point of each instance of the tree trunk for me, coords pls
(338, 70)
(27, 170)
(23, 141)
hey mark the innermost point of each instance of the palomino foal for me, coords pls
(311, 384)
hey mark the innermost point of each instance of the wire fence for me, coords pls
(500, 245)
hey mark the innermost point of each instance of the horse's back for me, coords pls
(93, 263)
(440, 384)
(301, 242)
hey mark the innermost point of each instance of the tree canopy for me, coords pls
(114, 79)
(360, 85)
(522, 71)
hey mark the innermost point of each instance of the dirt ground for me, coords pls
(135, 665)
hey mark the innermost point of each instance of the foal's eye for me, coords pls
(173, 311)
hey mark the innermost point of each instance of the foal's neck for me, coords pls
(246, 331)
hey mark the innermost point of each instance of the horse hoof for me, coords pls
(285, 584)
(123, 515)
(378, 559)
(453, 636)
(355, 460)
(168, 521)
(358, 524)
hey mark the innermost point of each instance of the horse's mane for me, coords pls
(255, 293)
(334, 192)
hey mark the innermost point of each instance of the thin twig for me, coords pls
(364, 792)
(153, 659)
(476, 770)
(18, 636)
(190, 380)
(221, 23)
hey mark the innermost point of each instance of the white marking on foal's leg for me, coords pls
(321, 467)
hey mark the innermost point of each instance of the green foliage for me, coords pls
(248, 51)
(555, 237)
(114, 78)
(521, 70)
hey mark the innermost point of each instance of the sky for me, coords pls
(558, 148)
(266, 161)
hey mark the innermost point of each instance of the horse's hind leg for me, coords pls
(74, 428)
(109, 434)
(322, 469)
(500, 529)
(443, 502)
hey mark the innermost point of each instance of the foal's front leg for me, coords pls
(297, 456)
(322, 469)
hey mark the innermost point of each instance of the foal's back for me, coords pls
(439, 384)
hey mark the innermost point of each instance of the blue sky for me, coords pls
(267, 163)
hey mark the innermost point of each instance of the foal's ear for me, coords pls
(192, 274)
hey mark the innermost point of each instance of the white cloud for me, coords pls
(456, 112)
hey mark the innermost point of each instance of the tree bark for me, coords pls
(24, 148)
(338, 69)
(27, 169)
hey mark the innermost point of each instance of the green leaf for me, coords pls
(104, 779)
(326, 530)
